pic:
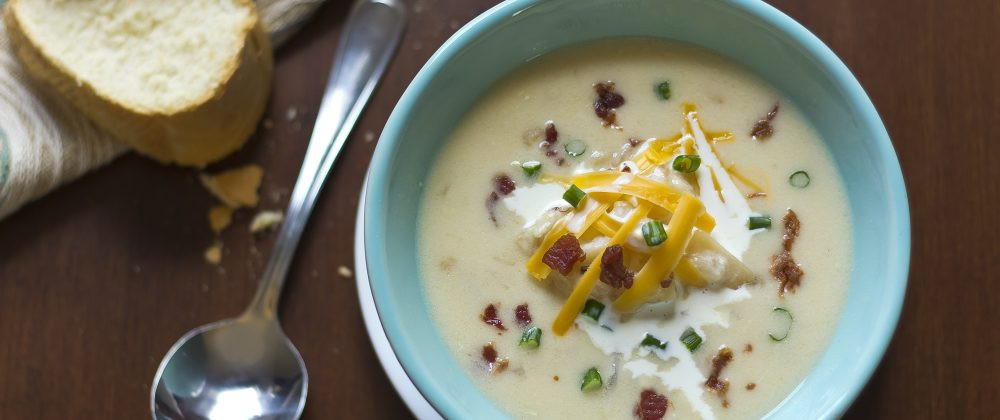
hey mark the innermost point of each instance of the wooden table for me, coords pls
(98, 279)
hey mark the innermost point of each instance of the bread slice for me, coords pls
(181, 81)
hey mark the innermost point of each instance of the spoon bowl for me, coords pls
(237, 368)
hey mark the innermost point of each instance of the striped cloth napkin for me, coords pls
(44, 142)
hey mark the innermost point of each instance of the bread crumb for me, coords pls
(291, 113)
(268, 123)
(345, 272)
(265, 220)
(369, 136)
(219, 217)
(235, 187)
(213, 255)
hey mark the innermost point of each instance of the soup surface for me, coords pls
(600, 115)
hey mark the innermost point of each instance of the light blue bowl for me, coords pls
(748, 32)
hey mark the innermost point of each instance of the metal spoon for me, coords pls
(246, 367)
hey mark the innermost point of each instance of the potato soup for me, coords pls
(634, 228)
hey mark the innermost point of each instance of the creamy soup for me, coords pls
(671, 225)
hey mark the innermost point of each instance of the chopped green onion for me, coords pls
(531, 168)
(799, 179)
(575, 148)
(663, 89)
(650, 341)
(531, 338)
(759, 222)
(574, 195)
(690, 339)
(687, 163)
(592, 309)
(591, 380)
(653, 232)
(788, 315)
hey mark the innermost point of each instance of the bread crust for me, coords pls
(201, 132)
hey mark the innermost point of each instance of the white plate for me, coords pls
(413, 399)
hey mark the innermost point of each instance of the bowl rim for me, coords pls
(380, 171)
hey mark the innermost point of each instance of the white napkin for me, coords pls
(44, 142)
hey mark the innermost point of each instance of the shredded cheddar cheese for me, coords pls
(571, 308)
(731, 169)
(685, 213)
(664, 258)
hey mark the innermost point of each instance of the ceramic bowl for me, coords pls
(751, 33)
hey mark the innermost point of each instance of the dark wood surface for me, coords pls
(99, 278)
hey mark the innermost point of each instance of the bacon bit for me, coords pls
(490, 353)
(787, 271)
(494, 363)
(551, 134)
(668, 281)
(783, 266)
(501, 184)
(613, 269)
(756, 194)
(490, 317)
(751, 386)
(500, 366)
(555, 378)
(634, 142)
(491, 207)
(652, 405)
(564, 254)
(763, 129)
(714, 384)
(551, 138)
(522, 315)
(504, 184)
(792, 224)
(626, 169)
(606, 103)
(748, 348)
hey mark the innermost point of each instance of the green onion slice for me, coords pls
(650, 341)
(574, 195)
(531, 168)
(663, 89)
(531, 338)
(759, 222)
(788, 325)
(799, 179)
(653, 232)
(687, 163)
(591, 380)
(592, 309)
(690, 339)
(575, 148)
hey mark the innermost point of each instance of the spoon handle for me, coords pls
(370, 36)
